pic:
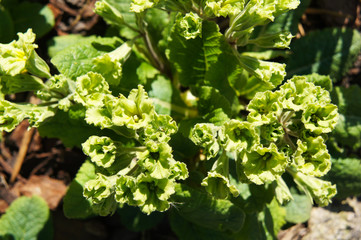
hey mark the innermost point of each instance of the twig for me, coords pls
(22, 153)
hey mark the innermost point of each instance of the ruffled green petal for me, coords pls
(312, 157)
(135, 112)
(152, 194)
(90, 89)
(217, 181)
(110, 64)
(263, 165)
(278, 40)
(97, 190)
(124, 188)
(271, 73)
(320, 119)
(100, 192)
(101, 150)
(319, 190)
(191, 26)
(237, 136)
(205, 135)
(138, 6)
(224, 8)
(19, 57)
(264, 106)
(282, 192)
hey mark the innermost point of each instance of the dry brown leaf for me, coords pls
(51, 190)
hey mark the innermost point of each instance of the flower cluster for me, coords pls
(143, 174)
(285, 131)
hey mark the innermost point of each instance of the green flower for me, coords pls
(90, 89)
(138, 6)
(224, 8)
(264, 107)
(124, 188)
(297, 94)
(237, 136)
(19, 57)
(217, 181)
(153, 194)
(191, 26)
(319, 190)
(205, 135)
(320, 119)
(157, 162)
(134, 112)
(263, 165)
(100, 192)
(101, 150)
(311, 157)
(110, 64)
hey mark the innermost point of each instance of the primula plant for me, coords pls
(182, 112)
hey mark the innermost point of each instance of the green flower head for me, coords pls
(237, 136)
(191, 26)
(263, 165)
(205, 135)
(101, 150)
(312, 157)
(153, 194)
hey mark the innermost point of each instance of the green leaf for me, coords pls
(206, 211)
(70, 127)
(346, 174)
(347, 132)
(213, 105)
(25, 219)
(7, 32)
(75, 204)
(278, 214)
(33, 15)
(192, 58)
(77, 60)
(328, 52)
(186, 230)
(298, 210)
(59, 43)
(252, 229)
(136, 221)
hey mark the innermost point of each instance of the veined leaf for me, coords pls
(75, 204)
(347, 132)
(298, 210)
(346, 174)
(193, 58)
(77, 60)
(328, 52)
(59, 43)
(25, 219)
(206, 211)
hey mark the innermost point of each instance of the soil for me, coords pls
(48, 167)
